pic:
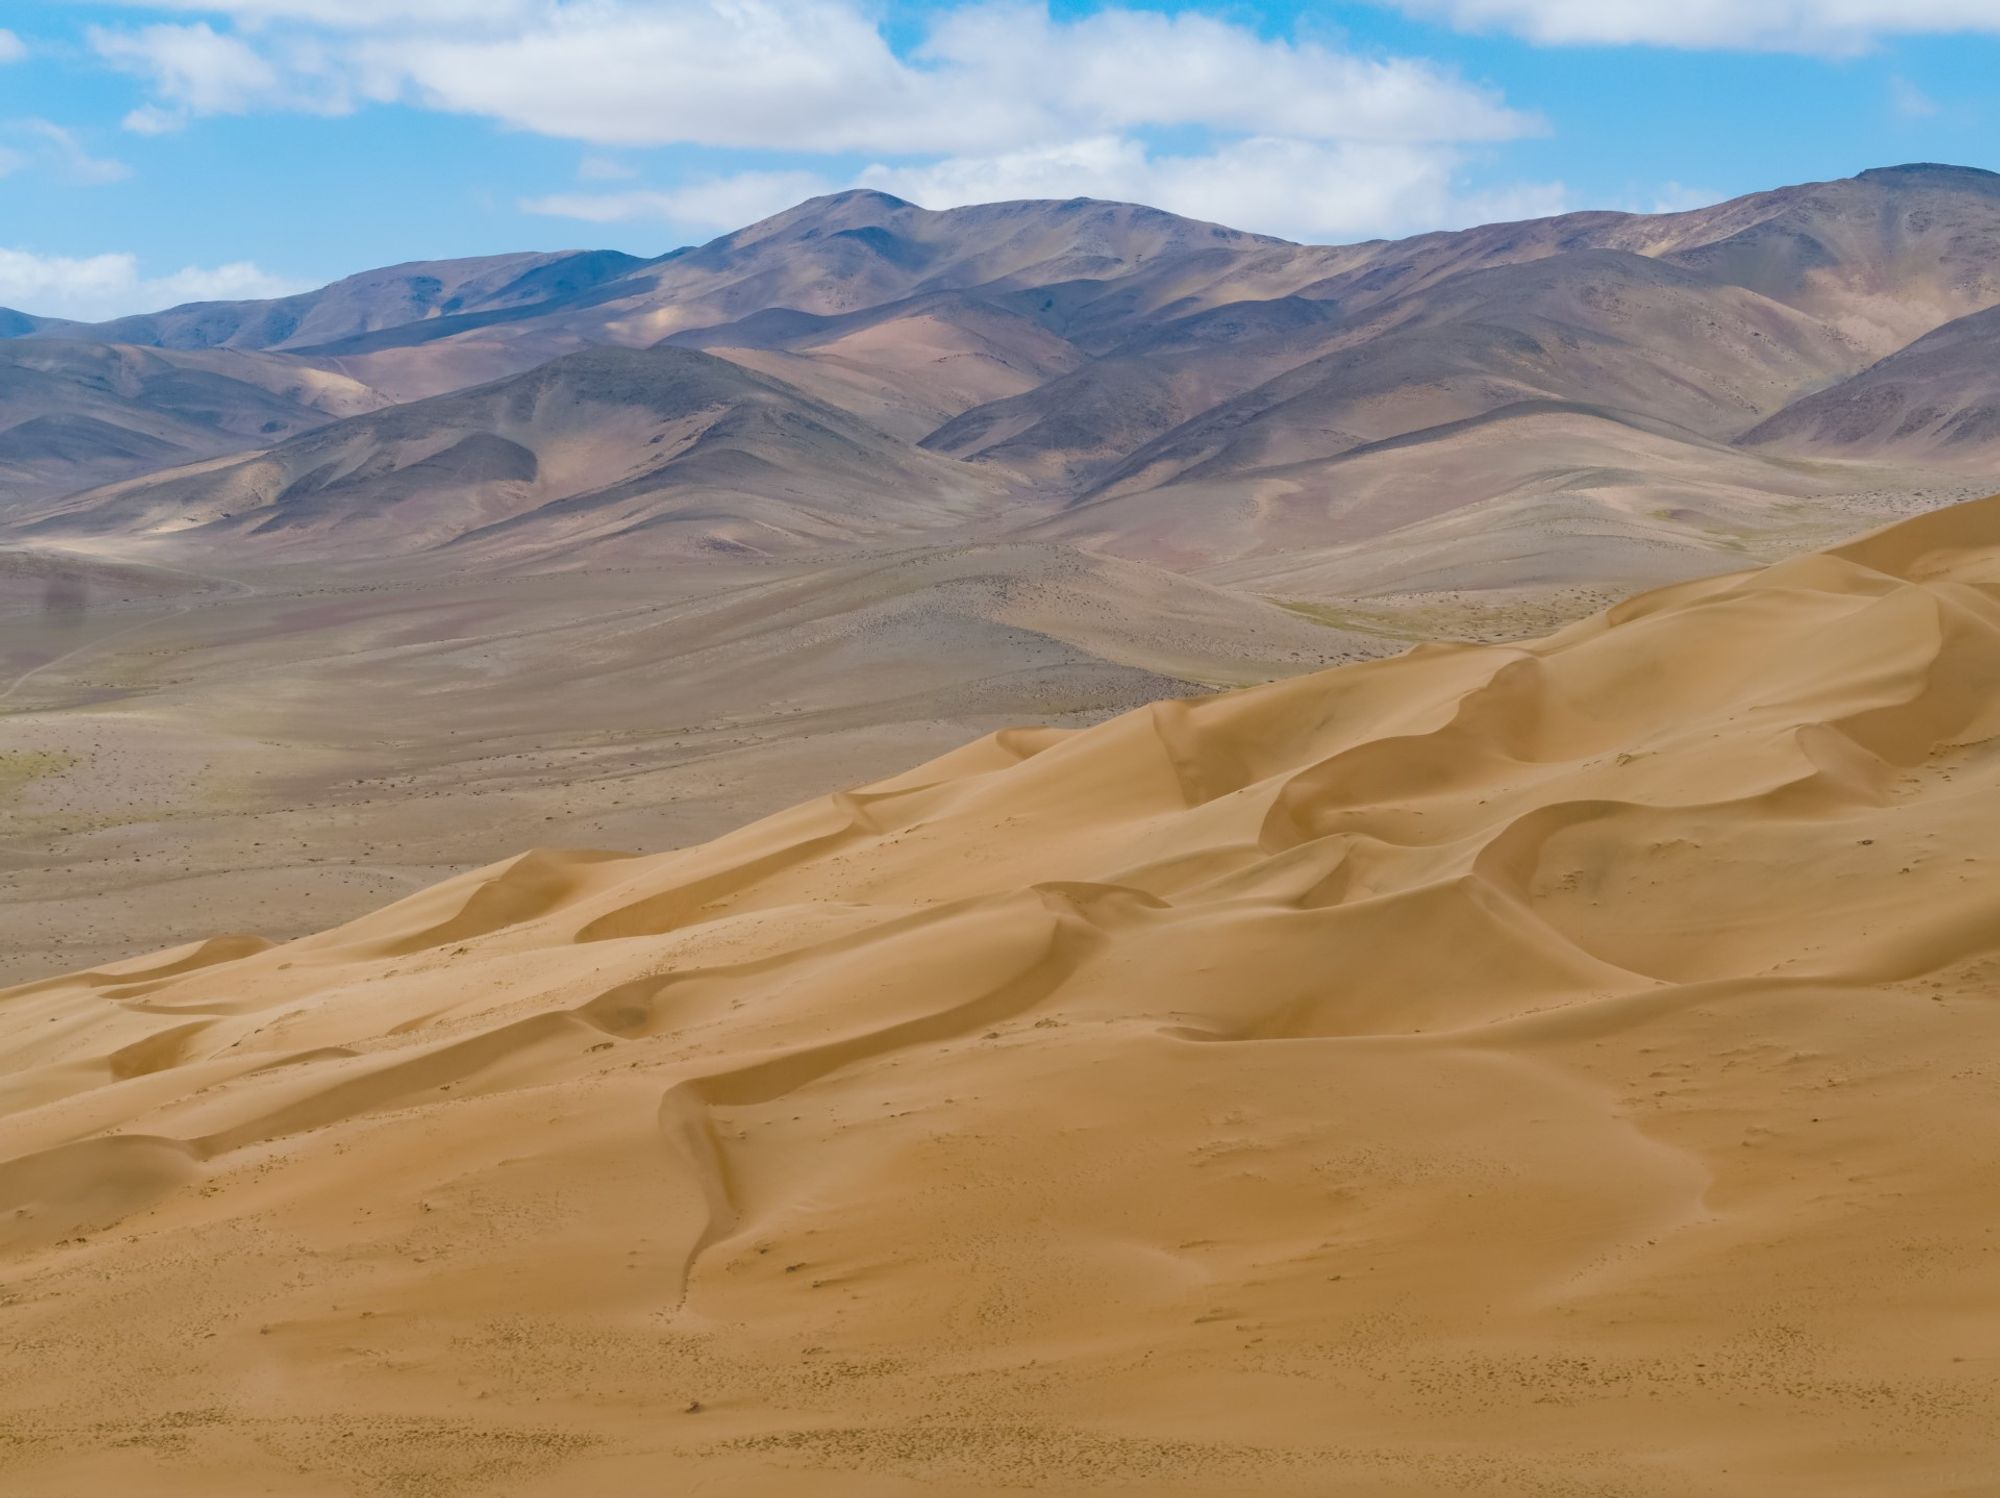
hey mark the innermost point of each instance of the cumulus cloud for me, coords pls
(1124, 68)
(1811, 26)
(197, 70)
(63, 150)
(604, 169)
(1677, 197)
(1909, 101)
(1301, 189)
(811, 75)
(193, 70)
(93, 287)
(819, 75)
(354, 15)
(995, 98)
(46, 146)
(706, 203)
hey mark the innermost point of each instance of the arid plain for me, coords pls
(1042, 848)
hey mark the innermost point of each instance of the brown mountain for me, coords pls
(1712, 319)
(907, 365)
(74, 414)
(1187, 393)
(1936, 401)
(670, 448)
(394, 296)
(1083, 269)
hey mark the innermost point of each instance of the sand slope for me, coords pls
(1556, 1068)
(296, 749)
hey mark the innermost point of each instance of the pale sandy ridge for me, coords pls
(1561, 1067)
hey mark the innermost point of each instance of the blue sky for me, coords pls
(155, 151)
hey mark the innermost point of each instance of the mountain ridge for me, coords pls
(600, 433)
(1179, 379)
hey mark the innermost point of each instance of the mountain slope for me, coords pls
(1882, 257)
(667, 449)
(1936, 401)
(1077, 267)
(15, 324)
(74, 414)
(1140, 367)
(394, 296)
(1709, 320)
(1535, 494)
(1530, 1056)
(907, 366)
(1606, 327)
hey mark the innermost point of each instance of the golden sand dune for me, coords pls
(1566, 1067)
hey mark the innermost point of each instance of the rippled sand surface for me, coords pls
(1558, 1068)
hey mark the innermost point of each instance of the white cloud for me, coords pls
(37, 144)
(604, 169)
(1118, 69)
(819, 75)
(193, 69)
(59, 148)
(1300, 189)
(12, 48)
(197, 70)
(709, 203)
(816, 76)
(354, 15)
(94, 287)
(1001, 98)
(240, 280)
(1677, 197)
(1812, 26)
(151, 119)
(751, 74)
(1909, 101)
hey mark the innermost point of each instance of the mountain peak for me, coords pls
(860, 197)
(1937, 172)
(858, 207)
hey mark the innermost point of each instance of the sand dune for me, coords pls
(299, 747)
(1558, 1067)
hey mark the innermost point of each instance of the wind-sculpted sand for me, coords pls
(1556, 1068)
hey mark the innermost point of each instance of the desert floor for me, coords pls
(1565, 1066)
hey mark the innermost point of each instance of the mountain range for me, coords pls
(1196, 927)
(1613, 396)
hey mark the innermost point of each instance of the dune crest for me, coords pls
(1561, 1066)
